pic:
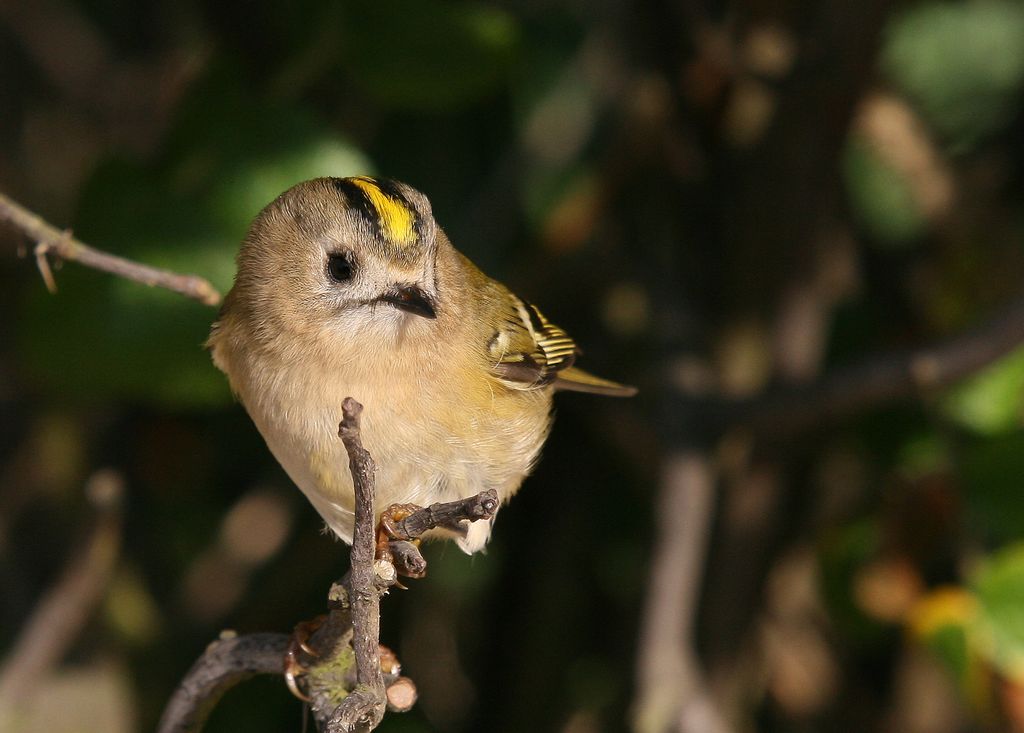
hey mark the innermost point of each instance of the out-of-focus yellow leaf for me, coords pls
(946, 622)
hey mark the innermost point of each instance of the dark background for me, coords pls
(720, 201)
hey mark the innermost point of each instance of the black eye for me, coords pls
(340, 268)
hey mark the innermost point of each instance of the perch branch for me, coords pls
(363, 708)
(347, 675)
(448, 514)
(63, 611)
(62, 246)
(226, 662)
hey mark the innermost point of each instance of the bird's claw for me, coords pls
(388, 529)
(298, 646)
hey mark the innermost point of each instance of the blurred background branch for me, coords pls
(673, 694)
(879, 379)
(62, 613)
(225, 663)
(796, 226)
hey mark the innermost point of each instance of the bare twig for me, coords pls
(226, 662)
(364, 708)
(448, 514)
(63, 611)
(407, 559)
(882, 378)
(52, 242)
(672, 693)
(349, 678)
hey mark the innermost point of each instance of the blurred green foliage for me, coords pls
(587, 156)
(999, 586)
(227, 156)
(881, 197)
(961, 63)
(427, 55)
(978, 630)
(992, 401)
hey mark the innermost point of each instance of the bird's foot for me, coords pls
(388, 529)
(299, 647)
(300, 653)
(401, 526)
(395, 546)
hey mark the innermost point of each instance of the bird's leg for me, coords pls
(401, 526)
(297, 646)
(388, 529)
(390, 518)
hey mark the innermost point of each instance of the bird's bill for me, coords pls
(411, 299)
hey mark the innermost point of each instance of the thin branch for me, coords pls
(364, 708)
(879, 379)
(226, 662)
(672, 694)
(52, 242)
(448, 514)
(348, 677)
(407, 559)
(65, 609)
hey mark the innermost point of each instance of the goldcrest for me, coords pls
(348, 287)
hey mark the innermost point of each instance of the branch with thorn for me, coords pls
(349, 679)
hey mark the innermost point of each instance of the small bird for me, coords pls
(348, 287)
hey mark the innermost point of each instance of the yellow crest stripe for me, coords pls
(396, 219)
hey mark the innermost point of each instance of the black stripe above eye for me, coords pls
(357, 199)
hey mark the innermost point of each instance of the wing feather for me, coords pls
(531, 352)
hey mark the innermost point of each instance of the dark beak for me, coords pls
(411, 299)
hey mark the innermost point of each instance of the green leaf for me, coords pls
(258, 180)
(991, 401)
(98, 339)
(880, 198)
(961, 63)
(999, 585)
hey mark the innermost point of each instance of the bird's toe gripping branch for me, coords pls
(397, 542)
(402, 525)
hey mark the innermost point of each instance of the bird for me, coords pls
(348, 287)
